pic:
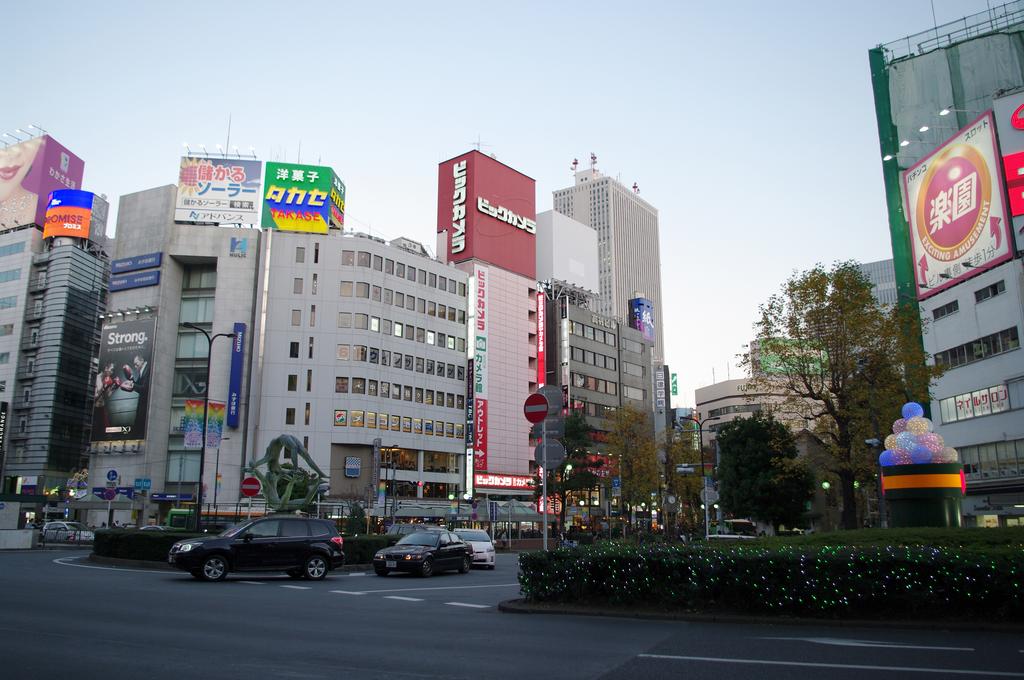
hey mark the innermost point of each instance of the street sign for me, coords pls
(553, 394)
(492, 510)
(111, 475)
(250, 486)
(125, 491)
(535, 408)
(552, 453)
(709, 496)
(109, 494)
(616, 487)
(685, 469)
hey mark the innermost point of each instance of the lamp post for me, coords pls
(703, 470)
(206, 407)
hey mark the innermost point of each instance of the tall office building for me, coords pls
(629, 264)
(883, 280)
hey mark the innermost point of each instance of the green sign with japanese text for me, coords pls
(305, 198)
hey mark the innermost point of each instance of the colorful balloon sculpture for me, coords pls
(913, 442)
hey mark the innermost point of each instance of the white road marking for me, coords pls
(808, 664)
(405, 599)
(252, 583)
(357, 573)
(466, 604)
(402, 590)
(297, 587)
(61, 561)
(842, 642)
(347, 592)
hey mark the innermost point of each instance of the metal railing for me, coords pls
(991, 20)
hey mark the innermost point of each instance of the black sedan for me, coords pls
(424, 553)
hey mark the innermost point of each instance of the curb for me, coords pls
(520, 606)
(163, 566)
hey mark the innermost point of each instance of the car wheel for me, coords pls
(467, 564)
(315, 568)
(381, 572)
(214, 568)
(294, 573)
(428, 567)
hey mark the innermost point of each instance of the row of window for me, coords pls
(997, 288)
(634, 393)
(407, 362)
(12, 248)
(593, 410)
(398, 329)
(979, 349)
(361, 258)
(585, 356)
(592, 333)
(8, 302)
(735, 408)
(981, 402)
(361, 289)
(393, 422)
(994, 460)
(389, 390)
(593, 384)
(10, 275)
(406, 459)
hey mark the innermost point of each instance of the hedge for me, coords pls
(153, 546)
(832, 582)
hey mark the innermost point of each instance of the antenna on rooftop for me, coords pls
(593, 162)
(636, 188)
(479, 145)
(575, 164)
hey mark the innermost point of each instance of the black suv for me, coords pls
(302, 547)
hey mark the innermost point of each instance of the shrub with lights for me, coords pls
(850, 582)
(922, 478)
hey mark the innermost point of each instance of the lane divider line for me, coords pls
(404, 590)
(404, 599)
(347, 592)
(467, 604)
(298, 587)
(845, 666)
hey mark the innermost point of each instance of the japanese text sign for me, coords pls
(306, 198)
(218, 191)
(956, 210)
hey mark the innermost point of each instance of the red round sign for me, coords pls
(250, 486)
(536, 408)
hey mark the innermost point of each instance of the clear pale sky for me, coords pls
(749, 125)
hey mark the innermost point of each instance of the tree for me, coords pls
(679, 449)
(356, 522)
(563, 480)
(631, 440)
(759, 473)
(841, 360)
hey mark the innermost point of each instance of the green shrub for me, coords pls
(360, 549)
(137, 545)
(832, 582)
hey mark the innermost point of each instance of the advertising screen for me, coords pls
(69, 213)
(488, 211)
(218, 191)
(641, 317)
(29, 172)
(121, 390)
(306, 198)
(956, 210)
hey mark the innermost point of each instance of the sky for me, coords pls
(750, 125)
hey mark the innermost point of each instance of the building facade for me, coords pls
(629, 254)
(882, 276)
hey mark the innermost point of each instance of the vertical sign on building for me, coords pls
(121, 390)
(235, 380)
(641, 317)
(3, 428)
(481, 282)
(542, 338)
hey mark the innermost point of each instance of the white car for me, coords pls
(480, 542)
(67, 532)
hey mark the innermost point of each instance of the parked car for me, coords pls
(410, 528)
(67, 532)
(302, 547)
(480, 542)
(425, 553)
(153, 527)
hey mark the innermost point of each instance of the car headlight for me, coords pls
(379, 554)
(185, 547)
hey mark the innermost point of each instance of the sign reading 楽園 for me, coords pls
(31, 171)
(121, 388)
(955, 209)
(306, 198)
(69, 213)
(218, 191)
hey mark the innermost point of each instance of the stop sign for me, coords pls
(536, 408)
(250, 486)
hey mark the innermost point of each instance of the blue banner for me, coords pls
(140, 280)
(235, 383)
(131, 264)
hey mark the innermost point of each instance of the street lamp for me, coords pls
(206, 407)
(703, 471)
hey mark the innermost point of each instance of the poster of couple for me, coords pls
(121, 389)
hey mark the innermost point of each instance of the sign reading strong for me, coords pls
(955, 205)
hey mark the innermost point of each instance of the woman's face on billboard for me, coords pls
(15, 162)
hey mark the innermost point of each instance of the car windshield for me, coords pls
(75, 526)
(474, 536)
(235, 529)
(421, 538)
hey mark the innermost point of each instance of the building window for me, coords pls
(378, 262)
(389, 266)
(306, 414)
(312, 316)
(348, 258)
(12, 249)
(363, 259)
(982, 348)
(945, 310)
(316, 253)
(300, 254)
(293, 382)
(296, 317)
(346, 289)
(289, 416)
(343, 352)
(989, 291)
(314, 285)
(362, 289)
(293, 350)
(983, 402)
(309, 380)
(341, 385)
(361, 321)
(14, 275)
(8, 302)
(8, 329)
(358, 385)
(310, 355)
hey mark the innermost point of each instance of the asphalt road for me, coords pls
(64, 616)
